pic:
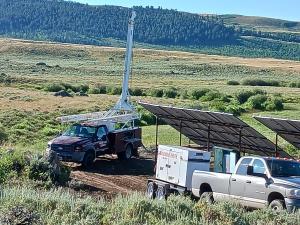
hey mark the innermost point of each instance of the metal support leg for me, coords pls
(180, 134)
(276, 145)
(208, 138)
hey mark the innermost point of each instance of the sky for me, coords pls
(281, 9)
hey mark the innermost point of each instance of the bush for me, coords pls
(11, 162)
(294, 84)
(274, 104)
(233, 82)
(99, 89)
(54, 87)
(136, 92)
(147, 118)
(196, 94)
(211, 95)
(113, 90)
(49, 171)
(158, 93)
(257, 102)
(170, 93)
(3, 134)
(243, 96)
(259, 82)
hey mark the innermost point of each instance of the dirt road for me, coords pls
(110, 177)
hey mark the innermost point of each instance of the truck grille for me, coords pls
(59, 148)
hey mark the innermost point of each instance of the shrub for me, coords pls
(158, 93)
(243, 96)
(294, 84)
(136, 92)
(54, 87)
(233, 82)
(211, 95)
(217, 106)
(11, 162)
(257, 102)
(198, 93)
(147, 118)
(49, 171)
(170, 93)
(260, 82)
(113, 90)
(3, 134)
(98, 89)
(274, 104)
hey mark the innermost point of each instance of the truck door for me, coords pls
(101, 139)
(255, 192)
(238, 180)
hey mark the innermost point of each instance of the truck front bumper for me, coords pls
(70, 156)
(292, 205)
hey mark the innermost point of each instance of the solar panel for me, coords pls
(289, 130)
(215, 129)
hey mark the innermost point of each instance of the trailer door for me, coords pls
(174, 166)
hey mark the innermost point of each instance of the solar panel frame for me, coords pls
(289, 130)
(224, 129)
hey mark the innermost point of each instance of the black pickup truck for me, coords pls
(82, 143)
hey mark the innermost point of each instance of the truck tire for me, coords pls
(127, 154)
(207, 197)
(161, 193)
(88, 160)
(151, 189)
(277, 205)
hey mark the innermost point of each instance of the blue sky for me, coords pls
(282, 9)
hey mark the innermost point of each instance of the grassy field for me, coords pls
(33, 65)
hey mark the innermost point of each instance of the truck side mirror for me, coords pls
(250, 170)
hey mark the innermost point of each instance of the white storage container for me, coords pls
(176, 165)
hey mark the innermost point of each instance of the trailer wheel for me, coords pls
(126, 154)
(161, 193)
(151, 189)
(207, 197)
(88, 159)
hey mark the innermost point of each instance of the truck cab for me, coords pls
(82, 143)
(256, 182)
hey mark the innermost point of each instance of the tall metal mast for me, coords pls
(124, 102)
(123, 111)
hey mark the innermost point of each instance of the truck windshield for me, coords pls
(80, 131)
(283, 168)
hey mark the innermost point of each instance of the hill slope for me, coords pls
(64, 21)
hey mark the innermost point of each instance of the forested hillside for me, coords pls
(155, 26)
(70, 22)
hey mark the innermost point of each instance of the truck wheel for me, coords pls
(151, 189)
(88, 160)
(277, 205)
(207, 197)
(161, 193)
(126, 154)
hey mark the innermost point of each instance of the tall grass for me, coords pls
(60, 207)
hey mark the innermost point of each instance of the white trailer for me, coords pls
(174, 169)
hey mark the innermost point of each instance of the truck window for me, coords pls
(242, 169)
(101, 133)
(259, 167)
(283, 168)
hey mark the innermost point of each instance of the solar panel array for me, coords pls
(215, 129)
(289, 130)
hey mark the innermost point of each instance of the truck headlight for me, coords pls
(78, 148)
(294, 193)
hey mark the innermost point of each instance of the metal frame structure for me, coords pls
(289, 130)
(213, 129)
(123, 111)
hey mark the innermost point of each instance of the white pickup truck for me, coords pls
(257, 182)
